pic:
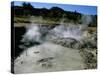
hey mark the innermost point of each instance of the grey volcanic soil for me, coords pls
(48, 57)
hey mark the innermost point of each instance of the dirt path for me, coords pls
(48, 57)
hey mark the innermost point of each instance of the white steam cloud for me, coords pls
(33, 34)
(86, 19)
(70, 31)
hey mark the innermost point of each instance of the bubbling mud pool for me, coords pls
(50, 48)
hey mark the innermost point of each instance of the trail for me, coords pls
(48, 57)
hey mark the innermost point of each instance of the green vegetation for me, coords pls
(55, 15)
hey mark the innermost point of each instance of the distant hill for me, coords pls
(55, 13)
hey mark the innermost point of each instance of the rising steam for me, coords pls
(86, 19)
(35, 32)
(32, 35)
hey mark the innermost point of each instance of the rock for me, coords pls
(45, 59)
(68, 42)
(90, 58)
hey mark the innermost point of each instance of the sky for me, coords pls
(90, 10)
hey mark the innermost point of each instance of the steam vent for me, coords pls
(49, 37)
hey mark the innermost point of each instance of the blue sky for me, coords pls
(92, 10)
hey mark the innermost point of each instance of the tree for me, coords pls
(27, 7)
(56, 12)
